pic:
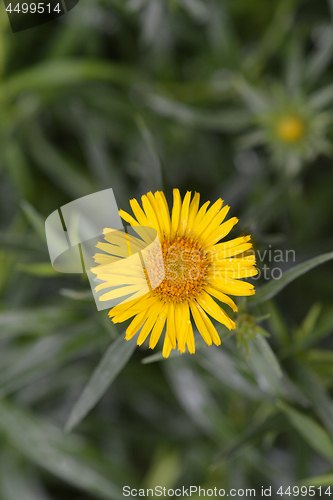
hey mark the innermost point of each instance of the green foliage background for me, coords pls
(141, 95)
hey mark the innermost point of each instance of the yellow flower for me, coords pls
(290, 129)
(187, 269)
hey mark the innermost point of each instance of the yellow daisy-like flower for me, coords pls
(177, 279)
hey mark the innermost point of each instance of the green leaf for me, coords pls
(319, 397)
(51, 449)
(324, 328)
(320, 58)
(27, 363)
(309, 322)
(320, 361)
(254, 98)
(195, 397)
(63, 73)
(225, 369)
(76, 294)
(325, 480)
(267, 375)
(277, 323)
(36, 220)
(274, 35)
(56, 166)
(294, 64)
(267, 371)
(16, 482)
(272, 288)
(267, 352)
(36, 321)
(321, 98)
(18, 168)
(153, 169)
(224, 121)
(104, 374)
(42, 269)
(255, 431)
(311, 431)
(166, 468)
(158, 356)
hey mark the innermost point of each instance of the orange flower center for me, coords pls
(185, 268)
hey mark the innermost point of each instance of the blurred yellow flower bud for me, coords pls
(290, 128)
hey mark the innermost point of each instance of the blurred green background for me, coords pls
(230, 98)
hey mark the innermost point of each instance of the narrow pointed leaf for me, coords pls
(275, 286)
(105, 373)
(319, 397)
(255, 430)
(311, 431)
(36, 219)
(63, 73)
(42, 269)
(267, 352)
(51, 449)
(16, 483)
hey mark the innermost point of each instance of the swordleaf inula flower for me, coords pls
(190, 268)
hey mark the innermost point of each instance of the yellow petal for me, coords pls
(193, 210)
(212, 308)
(103, 259)
(121, 238)
(201, 326)
(136, 324)
(221, 231)
(164, 213)
(121, 280)
(236, 263)
(120, 308)
(221, 297)
(128, 218)
(119, 292)
(208, 326)
(228, 244)
(229, 252)
(171, 330)
(118, 251)
(190, 339)
(214, 224)
(150, 213)
(182, 316)
(152, 314)
(122, 312)
(208, 218)
(167, 346)
(184, 214)
(199, 216)
(233, 287)
(241, 273)
(158, 328)
(135, 224)
(139, 213)
(176, 209)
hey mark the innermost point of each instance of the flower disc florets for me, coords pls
(185, 270)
